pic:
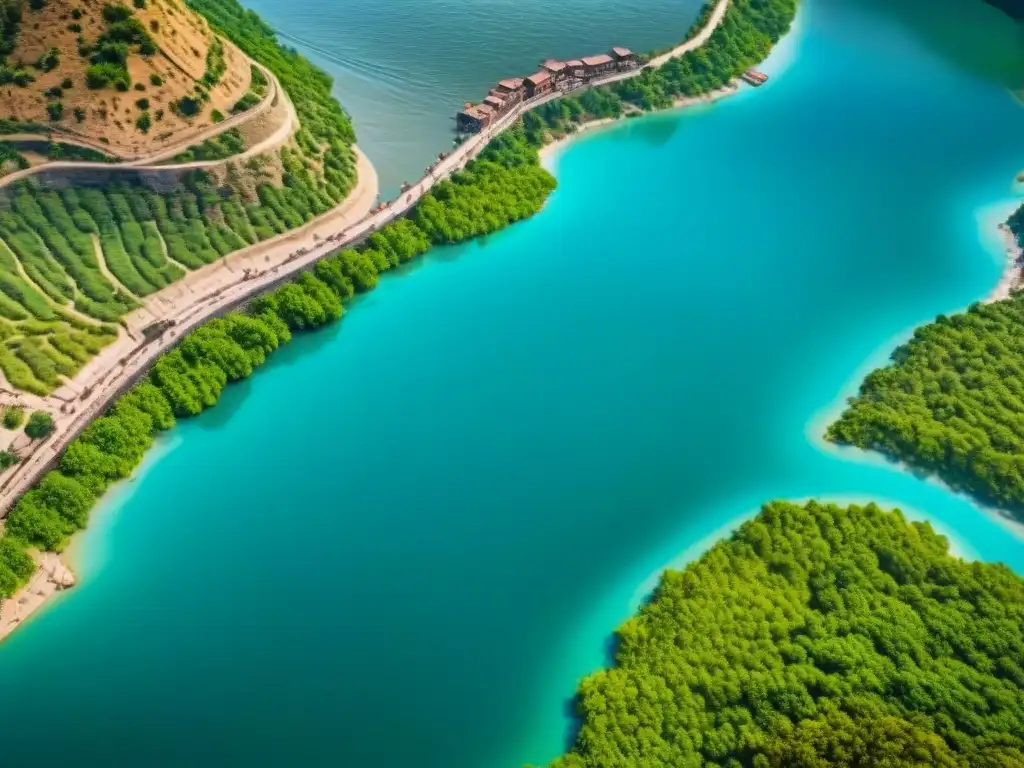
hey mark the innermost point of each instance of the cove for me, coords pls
(404, 541)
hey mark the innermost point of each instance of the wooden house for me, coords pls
(538, 84)
(595, 66)
(474, 118)
(513, 87)
(557, 69)
(625, 59)
(576, 69)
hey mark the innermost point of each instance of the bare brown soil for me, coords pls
(183, 38)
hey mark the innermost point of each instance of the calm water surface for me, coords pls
(403, 542)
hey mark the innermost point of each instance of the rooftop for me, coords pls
(621, 53)
(553, 66)
(594, 61)
(538, 78)
(574, 63)
(478, 111)
(511, 84)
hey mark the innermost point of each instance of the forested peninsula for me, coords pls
(816, 636)
(952, 403)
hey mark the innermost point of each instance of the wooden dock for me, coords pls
(754, 77)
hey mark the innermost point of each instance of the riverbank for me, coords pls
(52, 576)
(212, 300)
(1013, 272)
(544, 413)
(549, 152)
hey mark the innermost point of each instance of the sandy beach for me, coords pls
(51, 577)
(1013, 272)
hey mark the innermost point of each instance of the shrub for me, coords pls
(8, 458)
(55, 109)
(66, 83)
(116, 12)
(104, 74)
(14, 415)
(139, 3)
(144, 123)
(40, 424)
(217, 116)
(48, 60)
(142, 104)
(79, 114)
(186, 106)
(155, 80)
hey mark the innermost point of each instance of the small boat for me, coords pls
(754, 77)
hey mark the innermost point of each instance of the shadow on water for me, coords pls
(656, 131)
(975, 36)
(230, 402)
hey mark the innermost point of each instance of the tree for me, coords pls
(40, 424)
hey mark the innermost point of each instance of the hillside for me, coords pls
(85, 257)
(126, 79)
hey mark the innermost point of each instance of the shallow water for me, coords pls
(404, 541)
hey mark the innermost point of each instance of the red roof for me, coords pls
(495, 102)
(594, 61)
(574, 63)
(538, 78)
(553, 66)
(477, 112)
(511, 84)
(622, 53)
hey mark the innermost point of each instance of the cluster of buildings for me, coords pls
(552, 75)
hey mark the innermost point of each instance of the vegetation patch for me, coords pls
(816, 636)
(952, 402)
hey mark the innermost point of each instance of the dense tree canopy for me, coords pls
(952, 402)
(816, 636)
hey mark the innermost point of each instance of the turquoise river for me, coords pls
(404, 541)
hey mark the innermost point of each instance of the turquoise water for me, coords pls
(403, 542)
(403, 68)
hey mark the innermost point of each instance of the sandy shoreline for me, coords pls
(52, 576)
(549, 152)
(1013, 272)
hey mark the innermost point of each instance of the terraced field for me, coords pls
(73, 262)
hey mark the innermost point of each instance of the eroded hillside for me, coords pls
(126, 78)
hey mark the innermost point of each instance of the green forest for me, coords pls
(745, 37)
(816, 636)
(505, 184)
(952, 402)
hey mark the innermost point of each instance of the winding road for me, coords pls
(152, 162)
(275, 261)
